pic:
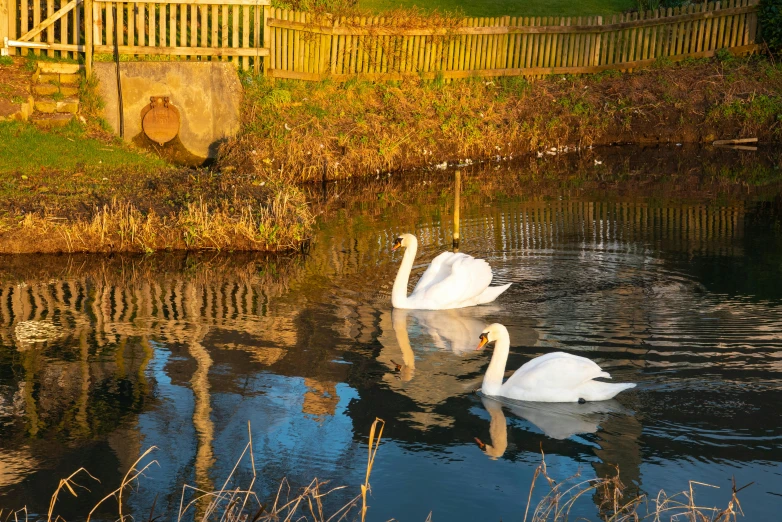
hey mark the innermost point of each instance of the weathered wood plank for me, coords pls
(497, 30)
(176, 51)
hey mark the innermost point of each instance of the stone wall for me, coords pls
(207, 96)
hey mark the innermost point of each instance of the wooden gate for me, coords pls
(54, 26)
(179, 29)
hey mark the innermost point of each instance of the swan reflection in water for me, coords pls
(617, 443)
(558, 420)
(448, 330)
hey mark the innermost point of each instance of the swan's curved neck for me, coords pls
(492, 381)
(399, 291)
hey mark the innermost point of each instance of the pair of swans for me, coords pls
(456, 280)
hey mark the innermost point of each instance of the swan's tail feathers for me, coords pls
(602, 391)
(491, 293)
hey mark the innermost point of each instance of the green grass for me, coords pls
(24, 148)
(510, 7)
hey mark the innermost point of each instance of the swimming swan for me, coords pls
(554, 377)
(452, 280)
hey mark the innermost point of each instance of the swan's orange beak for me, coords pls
(397, 243)
(484, 339)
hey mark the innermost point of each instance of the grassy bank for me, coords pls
(297, 131)
(78, 190)
(65, 192)
(25, 149)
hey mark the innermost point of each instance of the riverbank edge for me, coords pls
(300, 132)
(296, 132)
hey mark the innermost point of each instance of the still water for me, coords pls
(102, 358)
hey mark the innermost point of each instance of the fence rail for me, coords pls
(289, 44)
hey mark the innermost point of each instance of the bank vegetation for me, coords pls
(297, 131)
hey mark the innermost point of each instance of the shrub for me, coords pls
(770, 17)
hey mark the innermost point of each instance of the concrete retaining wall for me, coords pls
(207, 94)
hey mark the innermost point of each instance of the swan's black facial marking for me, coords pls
(484, 339)
(397, 243)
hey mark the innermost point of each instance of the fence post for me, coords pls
(598, 42)
(267, 39)
(88, 30)
(5, 21)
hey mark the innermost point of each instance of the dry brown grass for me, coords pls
(282, 224)
(557, 503)
(228, 504)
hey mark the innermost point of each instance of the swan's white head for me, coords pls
(491, 334)
(404, 240)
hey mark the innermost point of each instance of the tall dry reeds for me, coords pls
(240, 503)
(283, 223)
(237, 503)
(558, 502)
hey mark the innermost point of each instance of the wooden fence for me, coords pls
(187, 29)
(288, 44)
(309, 49)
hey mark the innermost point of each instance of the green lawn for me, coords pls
(510, 7)
(24, 148)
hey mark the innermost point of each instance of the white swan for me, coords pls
(452, 280)
(554, 377)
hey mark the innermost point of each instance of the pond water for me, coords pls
(103, 358)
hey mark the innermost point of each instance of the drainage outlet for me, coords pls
(161, 121)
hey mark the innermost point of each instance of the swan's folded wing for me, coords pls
(556, 371)
(468, 278)
(438, 269)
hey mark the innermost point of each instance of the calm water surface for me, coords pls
(101, 359)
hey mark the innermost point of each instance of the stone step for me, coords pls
(59, 68)
(51, 121)
(56, 79)
(69, 91)
(39, 77)
(51, 106)
(69, 79)
(45, 89)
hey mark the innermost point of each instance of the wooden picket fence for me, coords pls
(288, 44)
(309, 48)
